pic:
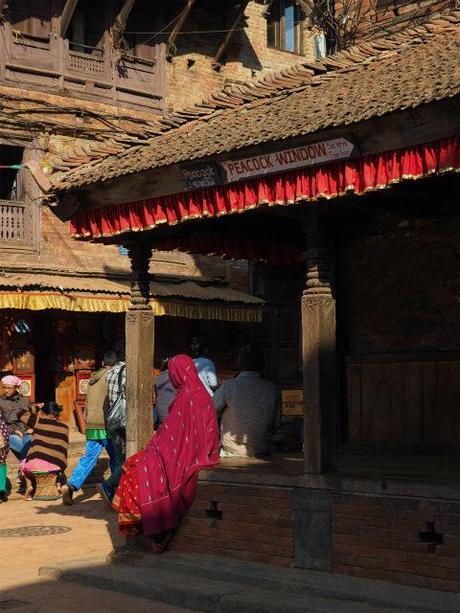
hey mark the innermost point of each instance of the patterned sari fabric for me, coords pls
(158, 484)
(4, 438)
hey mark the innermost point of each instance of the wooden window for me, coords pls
(19, 219)
(87, 27)
(31, 17)
(140, 46)
(285, 26)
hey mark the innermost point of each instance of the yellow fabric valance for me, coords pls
(34, 301)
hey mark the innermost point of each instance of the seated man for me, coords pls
(205, 366)
(250, 408)
(11, 403)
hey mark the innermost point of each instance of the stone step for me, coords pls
(221, 585)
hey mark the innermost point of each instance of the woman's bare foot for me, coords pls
(158, 543)
(29, 494)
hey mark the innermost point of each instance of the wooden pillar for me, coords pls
(319, 350)
(139, 351)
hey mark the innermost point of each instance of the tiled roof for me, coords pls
(87, 130)
(406, 69)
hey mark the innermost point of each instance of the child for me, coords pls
(4, 448)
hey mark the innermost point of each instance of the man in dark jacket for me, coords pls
(11, 403)
(96, 436)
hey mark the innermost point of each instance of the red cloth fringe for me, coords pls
(350, 176)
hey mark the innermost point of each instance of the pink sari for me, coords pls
(158, 485)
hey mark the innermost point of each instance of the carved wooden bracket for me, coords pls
(124, 12)
(216, 63)
(318, 256)
(177, 28)
(67, 13)
(140, 253)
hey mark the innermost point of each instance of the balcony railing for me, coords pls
(12, 223)
(59, 64)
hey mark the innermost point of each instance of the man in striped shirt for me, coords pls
(116, 387)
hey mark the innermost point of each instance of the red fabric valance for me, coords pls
(329, 181)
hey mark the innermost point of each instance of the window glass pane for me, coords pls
(289, 20)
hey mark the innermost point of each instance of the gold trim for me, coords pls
(349, 189)
(31, 301)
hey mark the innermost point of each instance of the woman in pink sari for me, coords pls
(158, 484)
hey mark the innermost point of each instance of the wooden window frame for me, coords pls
(276, 19)
(31, 212)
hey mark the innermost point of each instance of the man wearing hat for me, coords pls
(11, 403)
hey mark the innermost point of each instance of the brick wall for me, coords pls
(190, 77)
(380, 538)
(59, 251)
(256, 524)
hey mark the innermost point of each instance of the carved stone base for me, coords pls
(139, 378)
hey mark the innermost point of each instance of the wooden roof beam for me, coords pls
(67, 13)
(125, 12)
(177, 28)
(216, 63)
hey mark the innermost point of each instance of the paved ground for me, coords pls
(92, 532)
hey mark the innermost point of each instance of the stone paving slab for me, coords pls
(294, 580)
(220, 585)
(90, 530)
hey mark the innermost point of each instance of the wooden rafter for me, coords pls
(177, 27)
(224, 46)
(67, 12)
(124, 12)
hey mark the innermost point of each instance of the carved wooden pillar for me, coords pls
(319, 351)
(139, 351)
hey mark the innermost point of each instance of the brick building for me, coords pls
(79, 82)
(343, 170)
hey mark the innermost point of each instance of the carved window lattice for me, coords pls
(12, 221)
(85, 64)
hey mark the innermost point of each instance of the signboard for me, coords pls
(198, 176)
(304, 155)
(292, 402)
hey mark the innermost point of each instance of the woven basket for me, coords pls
(45, 486)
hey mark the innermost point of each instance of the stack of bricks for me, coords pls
(403, 540)
(245, 522)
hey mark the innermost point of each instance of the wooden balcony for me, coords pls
(53, 65)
